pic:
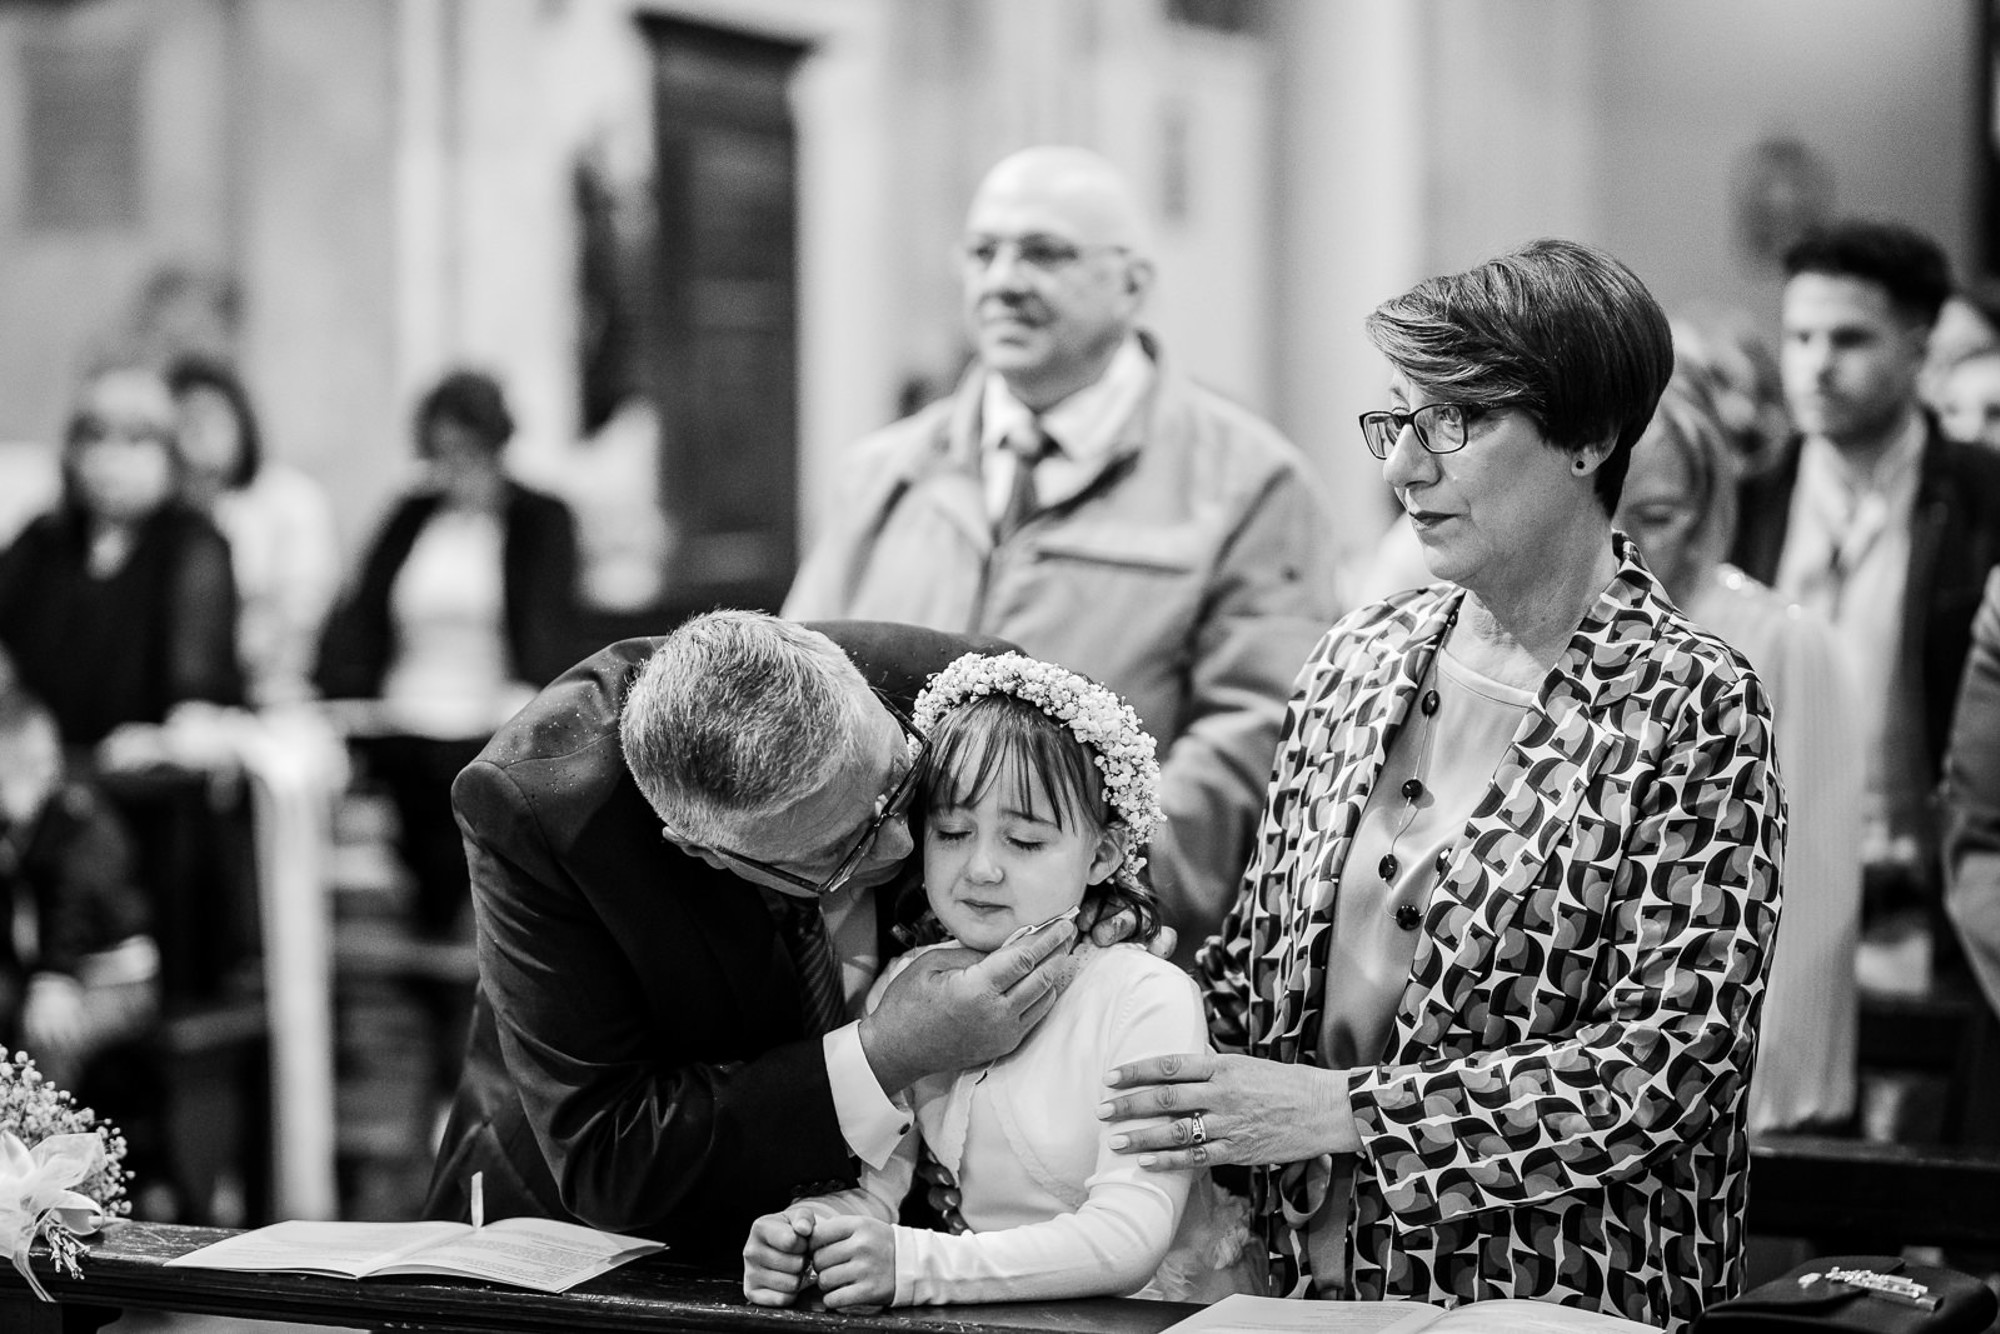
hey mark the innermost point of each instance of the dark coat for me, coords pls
(539, 572)
(125, 649)
(1955, 540)
(638, 1060)
(72, 864)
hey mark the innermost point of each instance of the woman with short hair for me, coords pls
(463, 607)
(1488, 1001)
(283, 545)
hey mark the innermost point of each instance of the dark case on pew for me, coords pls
(1788, 1306)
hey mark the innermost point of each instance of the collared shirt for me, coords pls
(1083, 426)
(1847, 557)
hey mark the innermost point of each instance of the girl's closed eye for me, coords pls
(948, 828)
(1029, 835)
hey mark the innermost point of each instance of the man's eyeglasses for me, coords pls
(1440, 427)
(888, 807)
(1037, 251)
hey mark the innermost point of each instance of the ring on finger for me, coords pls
(1197, 1129)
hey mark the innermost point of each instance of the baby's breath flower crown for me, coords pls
(1105, 724)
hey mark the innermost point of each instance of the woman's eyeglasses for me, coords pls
(888, 807)
(1440, 427)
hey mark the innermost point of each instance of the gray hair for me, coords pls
(735, 717)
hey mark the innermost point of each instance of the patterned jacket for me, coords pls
(1561, 1112)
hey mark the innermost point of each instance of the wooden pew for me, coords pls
(1892, 1195)
(1950, 1036)
(1799, 1186)
(125, 1270)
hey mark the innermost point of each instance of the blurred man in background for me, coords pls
(1876, 521)
(1079, 497)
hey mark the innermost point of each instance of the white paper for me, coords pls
(1241, 1314)
(352, 1249)
(529, 1253)
(1513, 1316)
(526, 1252)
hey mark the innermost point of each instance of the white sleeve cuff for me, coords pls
(869, 1121)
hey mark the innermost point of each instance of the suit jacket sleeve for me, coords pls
(1271, 597)
(1972, 801)
(1670, 1047)
(636, 1133)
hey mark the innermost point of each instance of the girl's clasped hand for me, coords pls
(849, 1258)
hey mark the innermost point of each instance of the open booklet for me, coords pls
(525, 1252)
(1240, 1314)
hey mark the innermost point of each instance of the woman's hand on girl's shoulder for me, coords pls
(1227, 1109)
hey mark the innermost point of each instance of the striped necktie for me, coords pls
(822, 999)
(1029, 445)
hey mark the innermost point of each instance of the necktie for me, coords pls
(822, 998)
(1029, 445)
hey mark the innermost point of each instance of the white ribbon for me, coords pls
(35, 1190)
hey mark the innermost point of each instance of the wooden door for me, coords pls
(723, 355)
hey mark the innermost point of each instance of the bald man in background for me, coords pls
(1079, 497)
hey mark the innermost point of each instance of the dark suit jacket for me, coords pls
(538, 560)
(1954, 542)
(638, 1059)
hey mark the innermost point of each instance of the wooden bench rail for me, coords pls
(1911, 1195)
(125, 1269)
(1799, 1186)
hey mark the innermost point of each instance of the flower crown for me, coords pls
(1100, 720)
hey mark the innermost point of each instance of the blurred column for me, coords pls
(427, 193)
(318, 258)
(1351, 220)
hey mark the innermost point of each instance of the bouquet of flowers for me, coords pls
(62, 1171)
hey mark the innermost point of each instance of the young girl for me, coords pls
(1039, 790)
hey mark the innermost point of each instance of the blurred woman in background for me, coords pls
(120, 605)
(462, 607)
(282, 544)
(1680, 507)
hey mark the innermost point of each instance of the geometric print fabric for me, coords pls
(1561, 1114)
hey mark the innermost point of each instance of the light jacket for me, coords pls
(1560, 1113)
(1191, 573)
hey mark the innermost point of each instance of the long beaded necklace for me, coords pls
(1408, 916)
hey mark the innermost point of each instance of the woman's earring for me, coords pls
(1579, 465)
